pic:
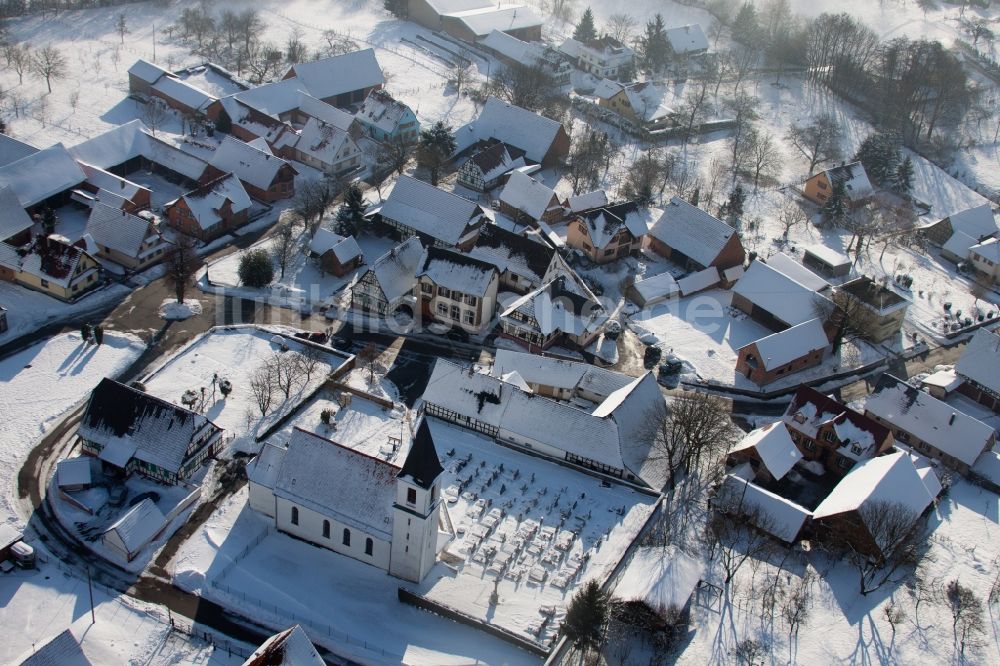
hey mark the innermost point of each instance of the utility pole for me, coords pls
(90, 588)
(154, 42)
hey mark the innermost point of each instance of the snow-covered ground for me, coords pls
(235, 353)
(29, 310)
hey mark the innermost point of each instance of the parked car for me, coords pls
(651, 357)
(23, 555)
(117, 495)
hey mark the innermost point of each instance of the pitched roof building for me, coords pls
(689, 236)
(544, 141)
(264, 176)
(416, 208)
(979, 368)
(218, 207)
(339, 80)
(133, 241)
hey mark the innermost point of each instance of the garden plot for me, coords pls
(531, 529)
(236, 353)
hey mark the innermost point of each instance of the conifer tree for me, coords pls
(585, 31)
(435, 148)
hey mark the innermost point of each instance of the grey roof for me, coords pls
(13, 218)
(691, 231)
(527, 130)
(114, 228)
(773, 291)
(339, 74)
(11, 150)
(247, 163)
(431, 211)
(63, 650)
(38, 176)
(138, 526)
(458, 272)
(146, 71)
(980, 361)
(336, 481)
(396, 270)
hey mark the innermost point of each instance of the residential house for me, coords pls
(231, 114)
(443, 219)
(687, 40)
(971, 226)
(326, 147)
(129, 430)
(458, 289)
(769, 450)
(218, 207)
(647, 291)
(558, 378)
(526, 200)
(474, 20)
(775, 299)
(586, 201)
(611, 232)
(390, 283)
(769, 512)
(265, 177)
(387, 120)
(780, 354)
(857, 188)
(134, 530)
(985, 259)
(644, 104)
(979, 369)
(787, 266)
(543, 140)
(694, 239)
(51, 265)
(486, 168)
(929, 426)
(147, 81)
(604, 440)
(832, 435)
(605, 58)
(141, 77)
(874, 307)
(132, 241)
(290, 647)
(337, 255)
(562, 312)
(376, 512)
(341, 80)
(514, 52)
(861, 511)
(522, 261)
(11, 150)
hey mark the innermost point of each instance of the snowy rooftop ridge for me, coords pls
(524, 193)
(430, 210)
(329, 77)
(661, 578)
(784, 297)
(290, 647)
(458, 272)
(137, 526)
(785, 346)
(119, 230)
(692, 231)
(773, 444)
(980, 360)
(513, 125)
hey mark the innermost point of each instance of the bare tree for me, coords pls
(968, 624)
(264, 61)
(182, 262)
(154, 114)
(695, 107)
(121, 27)
(791, 215)
(286, 243)
(262, 387)
(19, 58)
(310, 361)
(621, 26)
(738, 530)
(743, 108)
(819, 141)
(894, 615)
(296, 50)
(394, 155)
(795, 610)
(892, 545)
(312, 198)
(528, 87)
(367, 358)
(337, 43)
(285, 371)
(763, 155)
(49, 63)
(459, 77)
(750, 652)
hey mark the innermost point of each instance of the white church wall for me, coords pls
(310, 528)
(261, 499)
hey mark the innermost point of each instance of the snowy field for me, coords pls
(234, 353)
(842, 626)
(44, 381)
(29, 310)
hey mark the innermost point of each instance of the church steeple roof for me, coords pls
(422, 464)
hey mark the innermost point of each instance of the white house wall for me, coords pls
(310, 528)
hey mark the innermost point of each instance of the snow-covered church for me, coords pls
(363, 507)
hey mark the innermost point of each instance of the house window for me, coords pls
(347, 537)
(426, 287)
(809, 445)
(326, 529)
(843, 462)
(45, 283)
(369, 546)
(820, 184)
(444, 292)
(471, 300)
(455, 312)
(442, 309)
(411, 496)
(828, 435)
(470, 317)
(855, 449)
(295, 515)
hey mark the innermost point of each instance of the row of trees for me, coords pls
(46, 62)
(281, 374)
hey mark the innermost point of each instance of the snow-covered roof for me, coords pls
(691, 231)
(773, 444)
(13, 218)
(52, 259)
(633, 408)
(959, 243)
(977, 222)
(944, 379)
(797, 271)
(443, 7)
(509, 46)
(809, 410)
(125, 142)
(383, 111)
(431, 211)
(364, 491)
(247, 163)
(657, 286)
(38, 176)
(119, 417)
(662, 578)
(458, 272)
(274, 99)
(980, 360)
(687, 39)
(8, 535)
(558, 373)
(527, 130)
(206, 201)
(648, 101)
(329, 77)
(396, 270)
(327, 113)
(322, 141)
(73, 471)
(606, 50)
(989, 249)
(508, 251)
(63, 650)
(183, 92)
(147, 71)
(11, 150)
(827, 255)
(604, 223)
(344, 248)
(586, 201)
(138, 525)
(890, 478)
(770, 289)
(528, 195)
(778, 516)
(856, 183)
(290, 647)
(482, 22)
(793, 343)
(115, 186)
(118, 230)
(988, 466)
(557, 306)
(497, 159)
(929, 419)
(699, 281)
(879, 297)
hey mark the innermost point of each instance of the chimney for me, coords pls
(952, 419)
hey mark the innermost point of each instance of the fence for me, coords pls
(388, 404)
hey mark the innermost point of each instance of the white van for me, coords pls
(23, 555)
